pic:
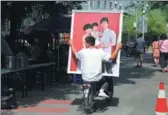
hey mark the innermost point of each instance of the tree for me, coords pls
(129, 24)
(162, 5)
(156, 21)
(17, 10)
(128, 27)
(158, 4)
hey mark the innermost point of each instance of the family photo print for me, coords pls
(105, 27)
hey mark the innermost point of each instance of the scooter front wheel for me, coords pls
(89, 104)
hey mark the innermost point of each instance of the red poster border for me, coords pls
(119, 39)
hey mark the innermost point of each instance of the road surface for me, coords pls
(135, 94)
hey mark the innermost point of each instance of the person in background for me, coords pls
(156, 51)
(5, 51)
(91, 63)
(95, 33)
(88, 31)
(139, 46)
(163, 46)
(108, 40)
(5, 48)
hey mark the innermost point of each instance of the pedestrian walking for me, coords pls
(163, 46)
(156, 51)
(139, 46)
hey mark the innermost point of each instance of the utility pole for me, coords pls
(143, 19)
(136, 18)
(89, 5)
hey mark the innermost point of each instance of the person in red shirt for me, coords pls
(156, 51)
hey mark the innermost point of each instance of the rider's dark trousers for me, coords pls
(102, 84)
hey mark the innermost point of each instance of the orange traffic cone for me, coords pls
(161, 105)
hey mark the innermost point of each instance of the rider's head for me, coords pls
(89, 41)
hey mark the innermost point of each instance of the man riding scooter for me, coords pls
(91, 63)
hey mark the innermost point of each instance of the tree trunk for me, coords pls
(14, 21)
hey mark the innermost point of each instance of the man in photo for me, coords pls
(91, 63)
(88, 31)
(108, 40)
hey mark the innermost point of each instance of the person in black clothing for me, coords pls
(139, 46)
(163, 46)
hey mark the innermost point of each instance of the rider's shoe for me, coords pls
(103, 94)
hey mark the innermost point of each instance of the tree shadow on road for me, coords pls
(60, 94)
(7, 113)
(101, 105)
(128, 73)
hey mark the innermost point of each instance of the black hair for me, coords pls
(156, 38)
(140, 35)
(163, 36)
(87, 26)
(95, 24)
(90, 40)
(104, 19)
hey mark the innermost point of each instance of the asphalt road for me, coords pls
(135, 93)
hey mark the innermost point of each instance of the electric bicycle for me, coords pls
(91, 91)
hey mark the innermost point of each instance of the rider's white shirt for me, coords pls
(91, 63)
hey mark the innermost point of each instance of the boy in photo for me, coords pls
(91, 63)
(88, 31)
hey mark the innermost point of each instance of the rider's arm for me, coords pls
(83, 41)
(73, 48)
(115, 53)
(113, 56)
(77, 54)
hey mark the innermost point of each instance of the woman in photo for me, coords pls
(87, 32)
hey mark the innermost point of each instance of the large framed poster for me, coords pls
(79, 25)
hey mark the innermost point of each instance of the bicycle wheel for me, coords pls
(90, 105)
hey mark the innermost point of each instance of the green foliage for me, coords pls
(156, 21)
(17, 10)
(162, 5)
(128, 24)
(158, 4)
